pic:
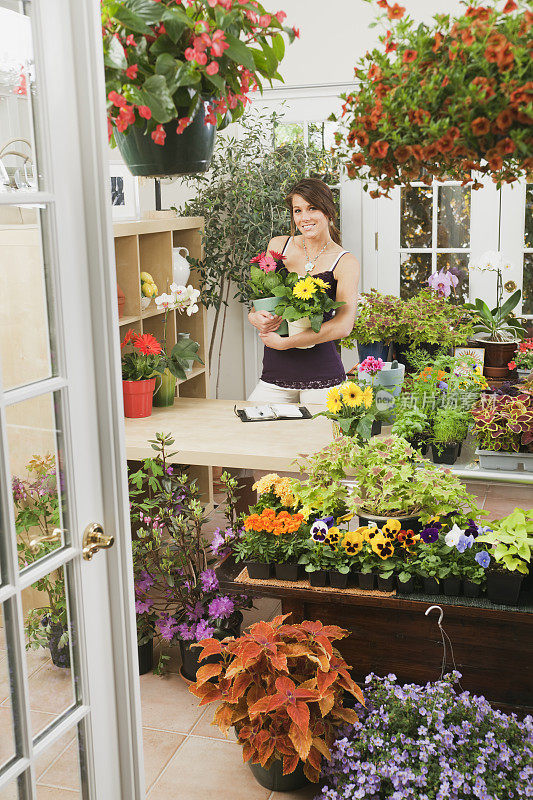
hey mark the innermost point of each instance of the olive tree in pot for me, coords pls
(282, 687)
(510, 545)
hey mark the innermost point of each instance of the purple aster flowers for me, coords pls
(429, 743)
(483, 559)
(209, 580)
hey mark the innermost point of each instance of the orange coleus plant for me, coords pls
(281, 686)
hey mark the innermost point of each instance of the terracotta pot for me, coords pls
(497, 356)
(138, 397)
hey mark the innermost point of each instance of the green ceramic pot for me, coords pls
(164, 395)
(188, 153)
(269, 304)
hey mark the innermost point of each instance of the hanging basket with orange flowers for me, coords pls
(448, 99)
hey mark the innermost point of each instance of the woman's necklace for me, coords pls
(309, 267)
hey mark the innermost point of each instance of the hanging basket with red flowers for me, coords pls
(447, 99)
(176, 72)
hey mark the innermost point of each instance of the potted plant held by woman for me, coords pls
(176, 73)
(304, 303)
(282, 687)
(265, 282)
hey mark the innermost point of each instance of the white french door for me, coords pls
(69, 708)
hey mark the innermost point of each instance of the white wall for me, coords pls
(333, 36)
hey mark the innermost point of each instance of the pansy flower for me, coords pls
(382, 546)
(408, 538)
(353, 542)
(429, 535)
(319, 530)
(391, 528)
(333, 536)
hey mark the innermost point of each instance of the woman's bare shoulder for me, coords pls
(277, 243)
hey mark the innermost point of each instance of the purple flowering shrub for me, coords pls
(429, 743)
(177, 595)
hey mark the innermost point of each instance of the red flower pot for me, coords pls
(138, 396)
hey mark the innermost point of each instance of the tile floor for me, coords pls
(185, 757)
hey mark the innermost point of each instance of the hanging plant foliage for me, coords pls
(446, 99)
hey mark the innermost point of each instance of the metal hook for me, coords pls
(435, 608)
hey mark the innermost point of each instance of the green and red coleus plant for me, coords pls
(281, 686)
(505, 423)
(442, 100)
(162, 57)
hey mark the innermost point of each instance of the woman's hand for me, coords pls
(275, 341)
(264, 321)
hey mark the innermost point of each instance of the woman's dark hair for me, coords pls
(318, 194)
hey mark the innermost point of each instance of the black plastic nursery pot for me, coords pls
(386, 584)
(451, 586)
(274, 779)
(406, 587)
(400, 351)
(258, 570)
(431, 585)
(366, 580)
(190, 655)
(146, 656)
(408, 523)
(186, 153)
(504, 587)
(338, 580)
(418, 442)
(471, 589)
(376, 428)
(60, 655)
(448, 454)
(318, 578)
(374, 349)
(287, 572)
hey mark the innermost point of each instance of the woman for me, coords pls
(291, 375)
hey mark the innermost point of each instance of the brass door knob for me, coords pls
(35, 544)
(95, 539)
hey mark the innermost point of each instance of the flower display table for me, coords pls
(492, 645)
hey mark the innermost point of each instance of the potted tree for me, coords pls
(175, 74)
(497, 329)
(375, 325)
(282, 687)
(510, 545)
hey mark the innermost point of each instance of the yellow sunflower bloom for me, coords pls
(304, 290)
(333, 400)
(368, 396)
(320, 283)
(352, 394)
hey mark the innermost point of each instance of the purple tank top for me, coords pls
(316, 368)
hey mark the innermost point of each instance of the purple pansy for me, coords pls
(429, 535)
(483, 559)
(464, 542)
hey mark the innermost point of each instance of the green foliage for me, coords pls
(377, 320)
(450, 426)
(410, 421)
(183, 352)
(427, 318)
(156, 37)
(265, 284)
(511, 540)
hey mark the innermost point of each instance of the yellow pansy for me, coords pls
(333, 401)
(304, 290)
(368, 396)
(353, 542)
(352, 394)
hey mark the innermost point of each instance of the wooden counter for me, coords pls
(208, 433)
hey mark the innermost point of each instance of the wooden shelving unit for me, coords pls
(146, 246)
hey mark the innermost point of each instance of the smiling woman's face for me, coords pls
(309, 220)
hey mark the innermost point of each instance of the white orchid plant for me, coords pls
(498, 324)
(181, 298)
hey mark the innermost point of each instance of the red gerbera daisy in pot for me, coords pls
(140, 366)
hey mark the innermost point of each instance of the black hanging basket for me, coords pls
(186, 153)
(274, 779)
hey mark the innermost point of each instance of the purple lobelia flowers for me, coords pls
(430, 743)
